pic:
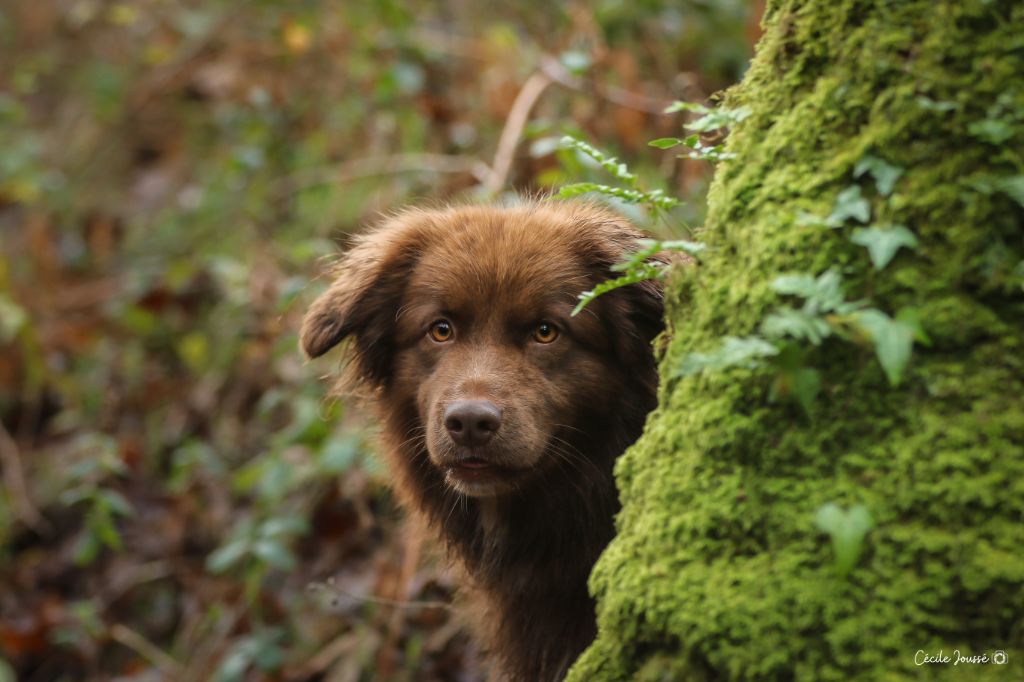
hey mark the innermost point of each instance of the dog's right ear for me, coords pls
(363, 300)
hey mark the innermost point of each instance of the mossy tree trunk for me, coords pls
(719, 571)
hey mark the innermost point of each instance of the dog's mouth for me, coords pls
(473, 463)
(478, 465)
(468, 474)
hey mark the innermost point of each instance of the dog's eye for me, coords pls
(441, 331)
(545, 333)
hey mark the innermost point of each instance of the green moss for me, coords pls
(718, 571)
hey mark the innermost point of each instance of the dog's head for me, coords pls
(460, 319)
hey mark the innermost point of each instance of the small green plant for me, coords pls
(630, 193)
(783, 335)
(847, 528)
(102, 505)
(256, 547)
(261, 650)
(639, 267)
(710, 121)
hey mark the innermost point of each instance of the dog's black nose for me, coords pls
(472, 422)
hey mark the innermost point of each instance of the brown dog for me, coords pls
(502, 413)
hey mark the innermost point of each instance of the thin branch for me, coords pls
(518, 116)
(325, 657)
(151, 652)
(14, 480)
(551, 68)
(382, 165)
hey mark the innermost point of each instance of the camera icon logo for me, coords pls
(999, 657)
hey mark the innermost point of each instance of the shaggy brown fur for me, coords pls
(503, 414)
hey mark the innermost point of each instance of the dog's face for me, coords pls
(462, 320)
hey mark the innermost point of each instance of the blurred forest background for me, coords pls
(179, 501)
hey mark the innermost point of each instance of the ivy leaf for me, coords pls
(849, 204)
(992, 130)
(929, 104)
(824, 293)
(665, 142)
(1012, 186)
(808, 219)
(893, 339)
(883, 242)
(686, 106)
(722, 117)
(746, 352)
(797, 324)
(885, 174)
(847, 528)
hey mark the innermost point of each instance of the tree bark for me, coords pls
(718, 571)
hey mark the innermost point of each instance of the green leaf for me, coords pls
(745, 352)
(849, 204)
(808, 219)
(847, 528)
(686, 106)
(655, 198)
(282, 526)
(274, 554)
(883, 242)
(703, 152)
(338, 455)
(609, 163)
(893, 340)
(797, 284)
(884, 173)
(806, 383)
(575, 61)
(637, 267)
(933, 105)
(12, 319)
(796, 324)
(722, 117)
(824, 293)
(642, 273)
(665, 142)
(992, 130)
(631, 196)
(227, 556)
(115, 502)
(1012, 186)
(692, 248)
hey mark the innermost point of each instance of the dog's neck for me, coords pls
(531, 552)
(528, 554)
